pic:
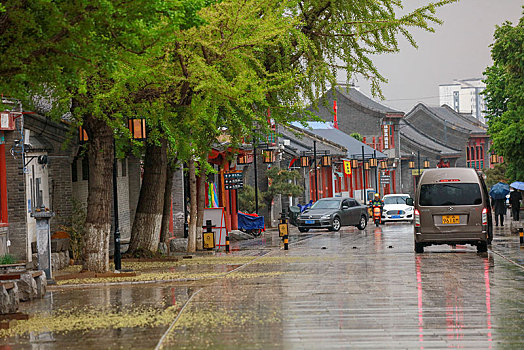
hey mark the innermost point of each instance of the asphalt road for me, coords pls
(349, 289)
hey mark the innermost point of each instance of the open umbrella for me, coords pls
(499, 190)
(518, 185)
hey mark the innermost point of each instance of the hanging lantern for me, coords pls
(326, 161)
(304, 161)
(412, 164)
(137, 127)
(354, 163)
(493, 159)
(366, 165)
(268, 156)
(426, 164)
(82, 135)
(373, 162)
(243, 159)
(384, 164)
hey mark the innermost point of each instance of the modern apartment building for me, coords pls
(464, 96)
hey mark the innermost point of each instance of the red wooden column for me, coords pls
(3, 187)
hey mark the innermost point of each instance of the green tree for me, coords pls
(281, 182)
(497, 174)
(505, 97)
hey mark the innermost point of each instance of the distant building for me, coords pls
(464, 96)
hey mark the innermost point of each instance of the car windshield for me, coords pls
(450, 194)
(326, 204)
(395, 200)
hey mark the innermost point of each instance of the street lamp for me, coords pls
(426, 164)
(411, 164)
(493, 158)
(244, 159)
(137, 127)
(326, 161)
(268, 156)
(304, 161)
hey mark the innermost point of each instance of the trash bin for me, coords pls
(294, 212)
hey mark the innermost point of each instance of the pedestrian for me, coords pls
(499, 207)
(514, 200)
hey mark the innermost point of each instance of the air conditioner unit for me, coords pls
(7, 121)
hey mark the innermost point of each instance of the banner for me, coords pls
(347, 167)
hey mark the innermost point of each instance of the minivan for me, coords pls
(452, 207)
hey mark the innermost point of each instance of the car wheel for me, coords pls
(482, 247)
(419, 248)
(303, 229)
(363, 223)
(336, 224)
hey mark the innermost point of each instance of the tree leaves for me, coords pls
(505, 97)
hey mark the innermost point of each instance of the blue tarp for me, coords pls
(248, 222)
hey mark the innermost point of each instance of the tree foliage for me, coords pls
(505, 97)
(281, 182)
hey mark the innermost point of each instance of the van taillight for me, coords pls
(417, 218)
(485, 216)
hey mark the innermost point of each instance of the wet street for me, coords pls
(349, 289)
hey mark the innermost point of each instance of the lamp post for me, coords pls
(256, 176)
(363, 177)
(418, 164)
(315, 160)
(373, 162)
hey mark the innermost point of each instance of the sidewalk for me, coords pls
(506, 241)
(179, 267)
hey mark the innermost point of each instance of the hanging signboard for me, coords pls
(233, 180)
(347, 167)
(385, 134)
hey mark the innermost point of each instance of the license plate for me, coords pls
(450, 219)
(310, 222)
(395, 216)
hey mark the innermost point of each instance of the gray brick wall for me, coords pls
(16, 200)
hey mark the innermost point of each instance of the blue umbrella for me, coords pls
(518, 185)
(499, 190)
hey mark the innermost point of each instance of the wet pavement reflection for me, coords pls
(347, 289)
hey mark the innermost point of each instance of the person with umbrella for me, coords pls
(514, 200)
(498, 197)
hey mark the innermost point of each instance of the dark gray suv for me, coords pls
(333, 213)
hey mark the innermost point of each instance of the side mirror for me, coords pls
(409, 201)
(344, 207)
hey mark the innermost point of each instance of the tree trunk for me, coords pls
(201, 201)
(191, 242)
(166, 215)
(98, 219)
(145, 234)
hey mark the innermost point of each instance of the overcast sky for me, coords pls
(459, 49)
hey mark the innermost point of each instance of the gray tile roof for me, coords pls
(424, 141)
(359, 98)
(468, 124)
(353, 146)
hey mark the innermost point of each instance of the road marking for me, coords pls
(159, 345)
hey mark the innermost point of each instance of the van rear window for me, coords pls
(450, 194)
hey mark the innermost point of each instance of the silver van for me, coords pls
(452, 207)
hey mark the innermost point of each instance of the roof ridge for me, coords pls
(429, 109)
(429, 136)
(340, 90)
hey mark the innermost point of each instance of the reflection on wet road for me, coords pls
(349, 289)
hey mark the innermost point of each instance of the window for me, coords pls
(85, 168)
(345, 202)
(353, 203)
(326, 204)
(450, 194)
(74, 170)
(395, 200)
